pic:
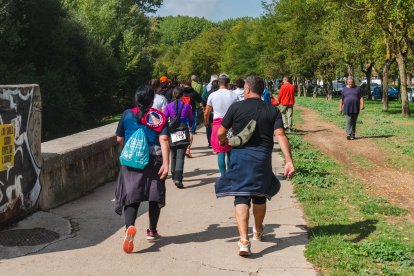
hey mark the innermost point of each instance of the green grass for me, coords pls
(350, 232)
(392, 133)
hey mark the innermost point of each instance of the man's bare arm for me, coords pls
(285, 147)
(222, 135)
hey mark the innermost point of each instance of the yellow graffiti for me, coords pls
(6, 146)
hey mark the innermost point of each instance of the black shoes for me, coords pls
(179, 184)
(350, 137)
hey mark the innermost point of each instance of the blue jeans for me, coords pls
(194, 126)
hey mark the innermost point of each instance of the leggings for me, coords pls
(177, 162)
(131, 212)
(222, 162)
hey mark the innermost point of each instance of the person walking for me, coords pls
(350, 104)
(213, 77)
(160, 102)
(239, 91)
(191, 97)
(214, 88)
(148, 184)
(250, 178)
(286, 100)
(198, 87)
(220, 102)
(178, 149)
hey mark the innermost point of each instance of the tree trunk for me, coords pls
(305, 89)
(368, 75)
(315, 91)
(384, 82)
(402, 62)
(299, 83)
(351, 71)
(329, 90)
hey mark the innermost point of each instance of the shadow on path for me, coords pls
(230, 234)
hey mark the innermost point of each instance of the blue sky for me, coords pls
(214, 10)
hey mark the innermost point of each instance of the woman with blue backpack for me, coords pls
(143, 132)
(180, 116)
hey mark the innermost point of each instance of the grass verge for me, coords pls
(350, 232)
(389, 130)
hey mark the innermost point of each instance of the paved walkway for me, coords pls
(199, 234)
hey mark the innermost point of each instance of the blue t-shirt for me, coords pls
(266, 96)
(351, 97)
(129, 124)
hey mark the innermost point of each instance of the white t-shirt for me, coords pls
(160, 102)
(240, 93)
(221, 101)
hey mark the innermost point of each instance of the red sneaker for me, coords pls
(188, 153)
(128, 244)
(152, 235)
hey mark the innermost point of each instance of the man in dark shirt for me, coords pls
(250, 178)
(350, 104)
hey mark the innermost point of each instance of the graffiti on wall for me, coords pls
(19, 160)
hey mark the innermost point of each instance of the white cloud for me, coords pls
(200, 8)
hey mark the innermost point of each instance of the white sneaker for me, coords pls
(257, 236)
(244, 248)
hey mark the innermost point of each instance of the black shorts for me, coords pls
(247, 199)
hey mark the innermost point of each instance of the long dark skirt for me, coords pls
(249, 174)
(138, 185)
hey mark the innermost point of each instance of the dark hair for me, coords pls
(239, 83)
(155, 83)
(187, 82)
(144, 97)
(215, 83)
(224, 79)
(164, 85)
(256, 84)
(177, 93)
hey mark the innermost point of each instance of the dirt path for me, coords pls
(383, 179)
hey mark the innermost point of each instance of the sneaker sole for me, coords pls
(128, 244)
(244, 253)
(152, 239)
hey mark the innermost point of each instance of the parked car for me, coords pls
(377, 93)
(338, 86)
(373, 85)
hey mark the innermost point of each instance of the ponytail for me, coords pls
(144, 97)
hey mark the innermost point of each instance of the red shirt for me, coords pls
(286, 94)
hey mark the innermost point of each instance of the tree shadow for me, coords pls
(304, 132)
(202, 154)
(198, 171)
(230, 234)
(361, 228)
(374, 137)
(202, 182)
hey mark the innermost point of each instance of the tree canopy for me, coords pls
(89, 56)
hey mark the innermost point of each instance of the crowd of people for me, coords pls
(241, 121)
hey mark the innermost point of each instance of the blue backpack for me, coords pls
(136, 152)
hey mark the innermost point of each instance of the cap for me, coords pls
(164, 79)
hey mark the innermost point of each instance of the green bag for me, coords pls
(244, 136)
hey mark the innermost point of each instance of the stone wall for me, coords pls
(76, 164)
(20, 159)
